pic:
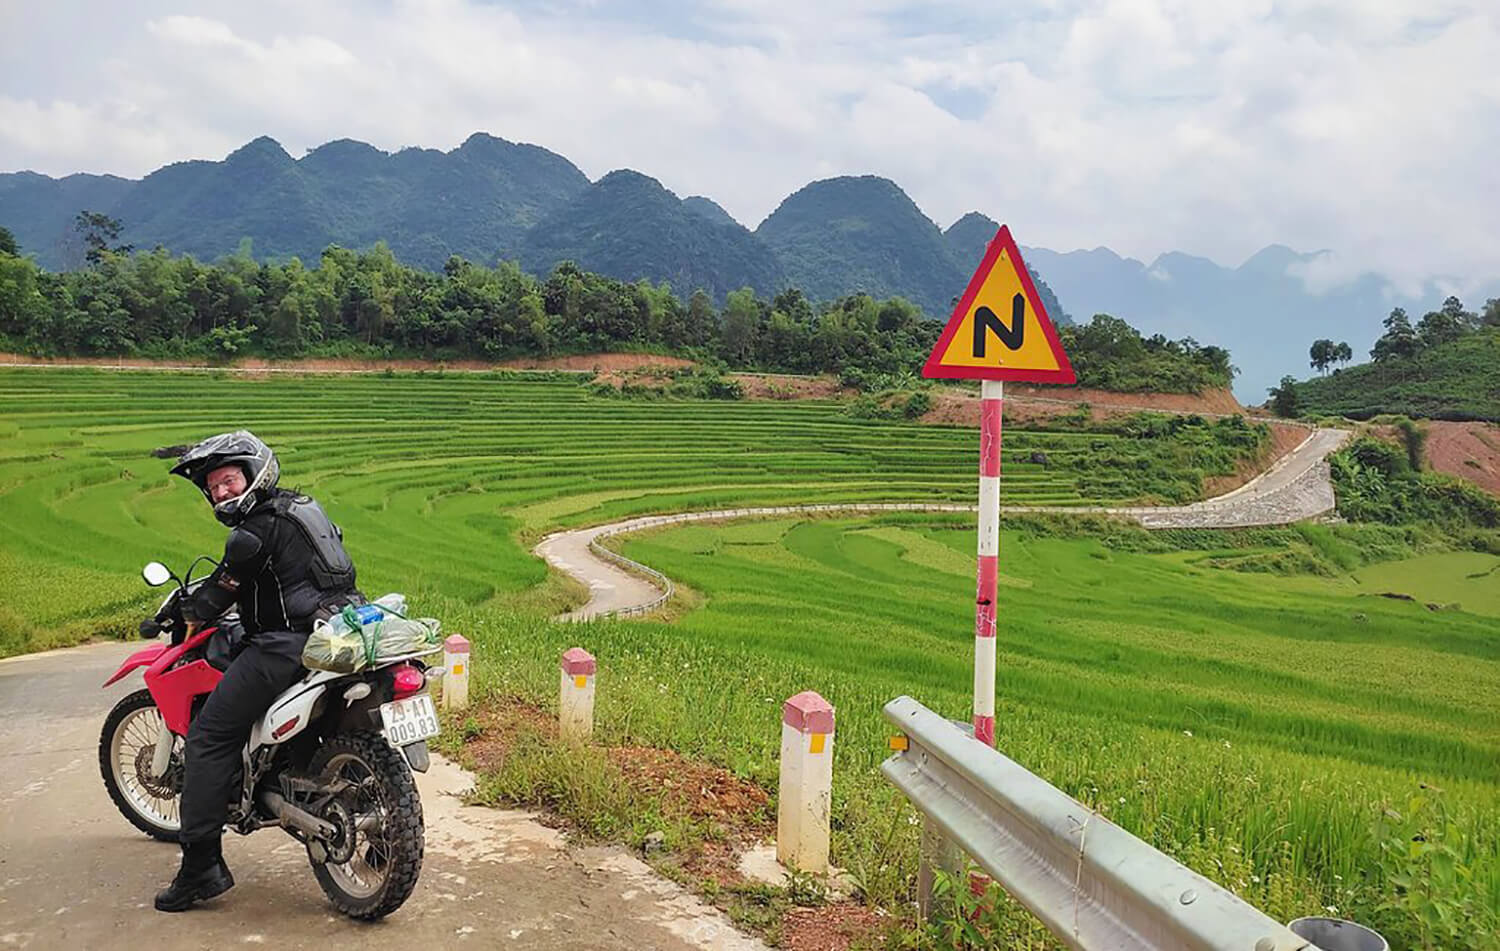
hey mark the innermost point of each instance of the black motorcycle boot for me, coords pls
(203, 876)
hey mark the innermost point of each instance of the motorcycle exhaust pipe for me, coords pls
(299, 819)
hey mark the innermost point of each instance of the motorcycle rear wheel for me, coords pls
(386, 855)
(126, 745)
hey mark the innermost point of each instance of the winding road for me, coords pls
(1294, 488)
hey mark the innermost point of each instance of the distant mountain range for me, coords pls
(490, 199)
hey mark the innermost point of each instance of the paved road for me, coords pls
(74, 874)
(1294, 488)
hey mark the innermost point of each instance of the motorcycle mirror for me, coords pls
(156, 574)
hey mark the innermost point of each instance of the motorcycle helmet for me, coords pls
(244, 449)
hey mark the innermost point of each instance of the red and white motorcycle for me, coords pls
(331, 762)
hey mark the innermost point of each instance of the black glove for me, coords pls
(150, 627)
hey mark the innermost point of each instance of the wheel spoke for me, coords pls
(134, 741)
(370, 858)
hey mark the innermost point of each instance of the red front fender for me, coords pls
(144, 657)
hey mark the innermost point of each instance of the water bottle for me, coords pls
(368, 613)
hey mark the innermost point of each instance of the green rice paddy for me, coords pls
(441, 482)
(1287, 735)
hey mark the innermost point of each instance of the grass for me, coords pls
(1257, 727)
(1466, 580)
(1263, 725)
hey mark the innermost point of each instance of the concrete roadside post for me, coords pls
(456, 680)
(806, 795)
(575, 705)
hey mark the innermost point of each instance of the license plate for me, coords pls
(410, 720)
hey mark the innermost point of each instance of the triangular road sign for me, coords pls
(999, 330)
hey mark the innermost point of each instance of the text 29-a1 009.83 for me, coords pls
(410, 720)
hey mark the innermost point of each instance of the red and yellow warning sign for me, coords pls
(999, 330)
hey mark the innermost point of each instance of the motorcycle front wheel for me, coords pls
(126, 747)
(371, 869)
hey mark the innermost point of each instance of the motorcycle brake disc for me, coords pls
(162, 787)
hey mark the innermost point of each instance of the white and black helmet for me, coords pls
(244, 449)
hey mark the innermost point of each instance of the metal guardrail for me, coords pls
(1093, 884)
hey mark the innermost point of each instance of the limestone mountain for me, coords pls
(628, 226)
(476, 200)
(848, 234)
(968, 238)
(709, 209)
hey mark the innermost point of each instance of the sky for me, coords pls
(1369, 129)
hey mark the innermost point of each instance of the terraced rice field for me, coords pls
(440, 481)
(1287, 736)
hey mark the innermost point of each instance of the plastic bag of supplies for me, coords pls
(364, 636)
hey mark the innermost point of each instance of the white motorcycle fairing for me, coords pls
(291, 712)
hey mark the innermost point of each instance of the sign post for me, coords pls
(979, 344)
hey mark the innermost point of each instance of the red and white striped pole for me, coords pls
(992, 393)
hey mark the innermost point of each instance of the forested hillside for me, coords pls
(1446, 366)
(369, 304)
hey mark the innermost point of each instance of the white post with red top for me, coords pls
(805, 800)
(575, 705)
(992, 396)
(456, 678)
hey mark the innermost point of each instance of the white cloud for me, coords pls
(1367, 126)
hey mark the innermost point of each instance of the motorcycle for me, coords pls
(330, 763)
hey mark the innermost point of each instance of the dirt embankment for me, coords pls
(1470, 451)
(773, 386)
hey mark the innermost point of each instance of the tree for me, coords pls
(1321, 354)
(741, 326)
(101, 233)
(1445, 325)
(8, 243)
(1284, 398)
(701, 322)
(1399, 340)
(1342, 353)
(1491, 316)
(21, 304)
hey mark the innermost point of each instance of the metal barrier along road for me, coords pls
(1093, 884)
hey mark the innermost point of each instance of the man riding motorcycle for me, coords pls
(284, 566)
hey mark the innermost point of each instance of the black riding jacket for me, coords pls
(285, 566)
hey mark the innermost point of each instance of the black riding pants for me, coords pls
(216, 740)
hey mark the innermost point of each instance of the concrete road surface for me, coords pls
(74, 874)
